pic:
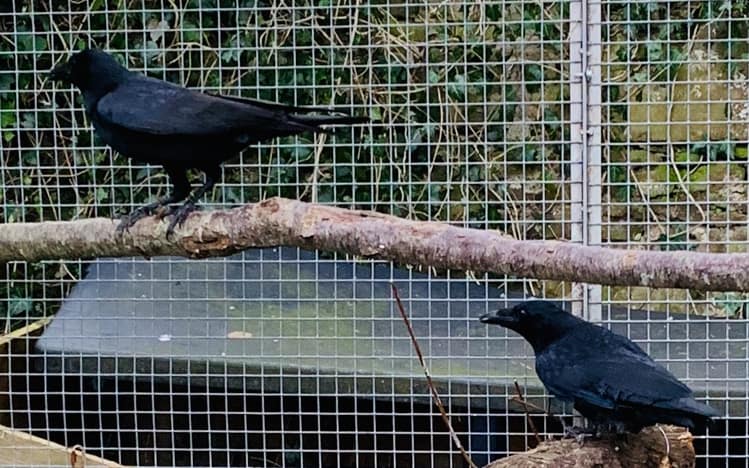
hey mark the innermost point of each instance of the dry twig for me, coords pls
(528, 418)
(430, 384)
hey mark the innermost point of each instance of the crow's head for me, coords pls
(539, 322)
(90, 70)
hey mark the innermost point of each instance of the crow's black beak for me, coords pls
(61, 72)
(503, 317)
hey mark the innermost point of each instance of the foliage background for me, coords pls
(470, 109)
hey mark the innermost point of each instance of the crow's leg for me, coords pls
(578, 433)
(180, 214)
(180, 191)
(613, 428)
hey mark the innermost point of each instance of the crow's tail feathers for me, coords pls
(316, 121)
(310, 118)
(686, 412)
(700, 424)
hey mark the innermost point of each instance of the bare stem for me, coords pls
(430, 384)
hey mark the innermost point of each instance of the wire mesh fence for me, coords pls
(605, 123)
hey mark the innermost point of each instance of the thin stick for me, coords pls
(528, 418)
(534, 407)
(530, 405)
(435, 395)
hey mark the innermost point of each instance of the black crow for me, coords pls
(610, 379)
(156, 122)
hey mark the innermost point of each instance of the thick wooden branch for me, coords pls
(279, 221)
(651, 447)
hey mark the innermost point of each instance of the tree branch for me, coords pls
(279, 221)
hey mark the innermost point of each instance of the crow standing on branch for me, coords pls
(610, 379)
(156, 122)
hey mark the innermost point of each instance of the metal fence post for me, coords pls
(585, 135)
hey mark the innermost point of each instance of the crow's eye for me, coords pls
(522, 311)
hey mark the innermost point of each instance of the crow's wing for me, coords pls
(608, 370)
(152, 106)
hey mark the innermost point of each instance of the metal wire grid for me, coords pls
(472, 109)
(674, 152)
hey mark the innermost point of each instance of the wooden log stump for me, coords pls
(671, 448)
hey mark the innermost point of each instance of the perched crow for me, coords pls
(156, 122)
(610, 380)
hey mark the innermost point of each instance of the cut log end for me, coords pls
(657, 446)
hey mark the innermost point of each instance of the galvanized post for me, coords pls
(593, 147)
(585, 135)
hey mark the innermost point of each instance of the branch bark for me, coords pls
(279, 221)
(651, 447)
